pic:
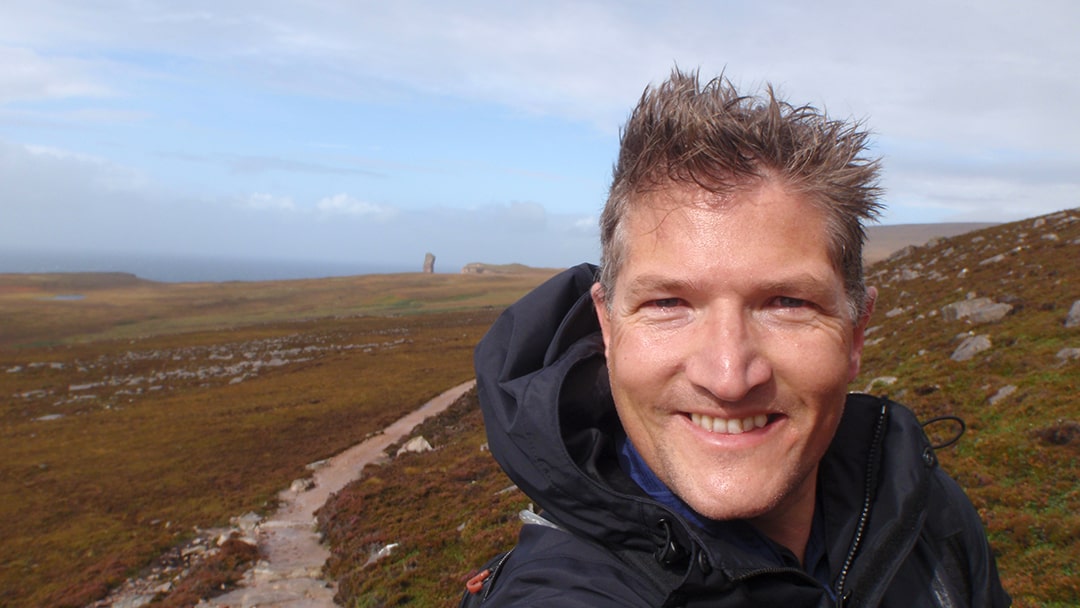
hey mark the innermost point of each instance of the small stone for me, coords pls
(380, 554)
(970, 347)
(1073, 318)
(416, 444)
(1002, 393)
(246, 522)
(1068, 354)
(302, 485)
(880, 381)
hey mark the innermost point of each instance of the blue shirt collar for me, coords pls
(738, 533)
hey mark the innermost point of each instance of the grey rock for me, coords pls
(993, 260)
(416, 444)
(135, 601)
(976, 310)
(246, 522)
(429, 263)
(971, 346)
(1068, 354)
(880, 381)
(1073, 318)
(302, 485)
(380, 554)
(907, 274)
(1002, 393)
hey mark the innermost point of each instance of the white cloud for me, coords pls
(587, 225)
(101, 172)
(343, 204)
(27, 75)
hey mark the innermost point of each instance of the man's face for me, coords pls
(730, 345)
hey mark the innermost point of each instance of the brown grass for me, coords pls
(118, 306)
(448, 511)
(114, 450)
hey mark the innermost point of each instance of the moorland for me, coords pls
(133, 413)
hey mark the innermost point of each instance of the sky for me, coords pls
(370, 133)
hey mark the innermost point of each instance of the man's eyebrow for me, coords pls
(798, 283)
(803, 283)
(648, 283)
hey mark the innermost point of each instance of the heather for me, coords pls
(143, 412)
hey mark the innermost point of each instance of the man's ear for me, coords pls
(600, 305)
(859, 337)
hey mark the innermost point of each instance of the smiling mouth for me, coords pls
(729, 426)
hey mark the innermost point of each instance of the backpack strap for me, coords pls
(479, 587)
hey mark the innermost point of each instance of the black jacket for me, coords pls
(899, 531)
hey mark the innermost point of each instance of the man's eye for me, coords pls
(665, 303)
(788, 302)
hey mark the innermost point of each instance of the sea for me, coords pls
(189, 269)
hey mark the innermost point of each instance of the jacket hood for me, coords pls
(541, 375)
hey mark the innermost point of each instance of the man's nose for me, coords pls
(727, 359)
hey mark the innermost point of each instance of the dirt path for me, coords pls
(289, 577)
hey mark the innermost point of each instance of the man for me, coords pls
(683, 422)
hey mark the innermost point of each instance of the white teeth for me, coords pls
(732, 426)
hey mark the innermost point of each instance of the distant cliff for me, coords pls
(481, 268)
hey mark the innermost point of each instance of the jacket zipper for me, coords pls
(868, 500)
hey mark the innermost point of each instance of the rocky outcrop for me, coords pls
(429, 263)
(1021, 270)
(110, 379)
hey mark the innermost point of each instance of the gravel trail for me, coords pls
(290, 574)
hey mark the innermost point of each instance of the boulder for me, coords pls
(976, 310)
(429, 263)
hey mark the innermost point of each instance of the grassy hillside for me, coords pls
(60, 309)
(143, 410)
(449, 510)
